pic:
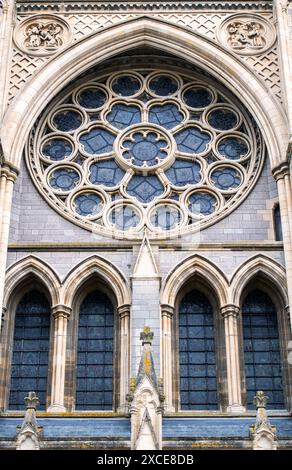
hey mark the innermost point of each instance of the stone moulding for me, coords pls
(42, 35)
(246, 34)
(55, 5)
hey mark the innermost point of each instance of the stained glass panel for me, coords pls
(106, 172)
(122, 115)
(94, 371)
(29, 368)
(192, 140)
(145, 188)
(184, 172)
(198, 383)
(166, 115)
(67, 120)
(263, 369)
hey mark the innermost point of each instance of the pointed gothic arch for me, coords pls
(195, 266)
(259, 267)
(101, 268)
(28, 269)
(127, 35)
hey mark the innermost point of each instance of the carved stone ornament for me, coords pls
(246, 34)
(42, 35)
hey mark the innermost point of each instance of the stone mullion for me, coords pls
(166, 359)
(124, 352)
(230, 314)
(7, 180)
(60, 314)
(282, 176)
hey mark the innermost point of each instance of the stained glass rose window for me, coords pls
(145, 148)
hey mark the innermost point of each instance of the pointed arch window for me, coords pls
(278, 223)
(198, 382)
(31, 343)
(94, 372)
(263, 365)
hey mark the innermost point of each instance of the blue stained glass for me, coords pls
(166, 115)
(202, 203)
(166, 217)
(67, 120)
(197, 97)
(192, 140)
(233, 148)
(145, 150)
(64, 179)
(92, 98)
(57, 149)
(145, 188)
(184, 172)
(226, 178)
(94, 377)
(124, 217)
(126, 85)
(278, 223)
(222, 119)
(97, 141)
(30, 350)
(122, 115)
(163, 85)
(263, 368)
(144, 97)
(198, 384)
(106, 172)
(88, 204)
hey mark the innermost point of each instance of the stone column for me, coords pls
(281, 174)
(230, 314)
(124, 317)
(60, 313)
(166, 353)
(7, 179)
(284, 43)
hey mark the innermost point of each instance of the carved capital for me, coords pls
(124, 311)
(281, 170)
(167, 310)
(230, 310)
(9, 171)
(61, 311)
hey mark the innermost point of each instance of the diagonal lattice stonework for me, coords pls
(23, 67)
(205, 23)
(267, 68)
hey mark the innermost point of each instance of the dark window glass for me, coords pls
(166, 115)
(123, 115)
(198, 383)
(278, 223)
(262, 350)
(30, 357)
(94, 377)
(145, 188)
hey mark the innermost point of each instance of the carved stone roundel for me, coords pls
(42, 35)
(246, 34)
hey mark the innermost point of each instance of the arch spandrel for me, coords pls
(134, 33)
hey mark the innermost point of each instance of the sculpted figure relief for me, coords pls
(40, 35)
(246, 35)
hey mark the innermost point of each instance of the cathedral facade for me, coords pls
(146, 225)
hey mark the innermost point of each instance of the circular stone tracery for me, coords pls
(129, 150)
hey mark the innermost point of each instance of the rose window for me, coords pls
(150, 148)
